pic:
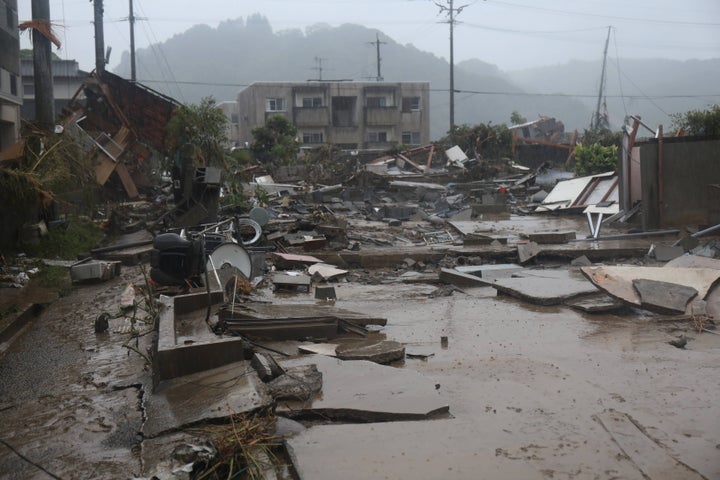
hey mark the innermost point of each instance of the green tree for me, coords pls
(705, 123)
(595, 158)
(483, 140)
(603, 136)
(202, 125)
(274, 143)
(516, 118)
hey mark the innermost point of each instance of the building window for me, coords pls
(234, 118)
(312, 137)
(375, 102)
(411, 104)
(274, 104)
(13, 85)
(312, 102)
(411, 138)
(377, 137)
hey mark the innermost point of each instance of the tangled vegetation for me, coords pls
(705, 123)
(482, 140)
(202, 125)
(245, 447)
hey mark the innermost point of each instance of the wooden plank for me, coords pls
(127, 181)
(651, 459)
(104, 167)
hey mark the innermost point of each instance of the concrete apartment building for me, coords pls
(66, 77)
(350, 115)
(10, 86)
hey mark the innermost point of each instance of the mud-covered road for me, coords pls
(534, 392)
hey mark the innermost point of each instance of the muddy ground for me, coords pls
(534, 392)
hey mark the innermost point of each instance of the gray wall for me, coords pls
(690, 168)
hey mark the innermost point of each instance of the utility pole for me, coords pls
(319, 68)
(451, 12)
(42, 67)
(377, 44)
(596, 123)
(99, 37)
(131, 19)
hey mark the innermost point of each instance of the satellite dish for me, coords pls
(231, 255)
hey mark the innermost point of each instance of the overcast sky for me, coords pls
(510, 34)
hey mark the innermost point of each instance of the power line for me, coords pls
(612, 17)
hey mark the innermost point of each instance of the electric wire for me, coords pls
(617, 65)
(162, 53)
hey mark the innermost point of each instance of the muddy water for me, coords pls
(542, 375)
(71, 398)
(527, 387)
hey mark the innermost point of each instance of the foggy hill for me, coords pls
(651, 88)
(204, 61)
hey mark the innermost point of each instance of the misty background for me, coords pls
(220, 61)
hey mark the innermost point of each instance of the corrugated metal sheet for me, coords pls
(578, 193)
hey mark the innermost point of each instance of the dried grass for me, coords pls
(245, 446)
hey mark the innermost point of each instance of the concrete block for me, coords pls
(325, 293)
(481, 208)
(664, 253)
(491, 272)
(552, 237)
(94, 270)
(186, 344)
(459, 279)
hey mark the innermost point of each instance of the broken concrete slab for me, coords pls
(298, 383)
(327, 349)
(651, 459)
(596, 304)
(693, 261)
(290, 259)
(323, 271)
(490, 272)
(358, 390)
(545, 290)
(383, 352)
(265, 366)
(527, 251)
(581, 261)
(552, 237)
(459, 279)
(264, 311)
(406, 450)
(618, 281)
(663, 297)
(663, 253)
(288, 281)
(493, 208)
(208, 395)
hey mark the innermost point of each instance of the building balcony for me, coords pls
(311, 116)
(379, 116)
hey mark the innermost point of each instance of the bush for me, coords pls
(595, 158)
(704, 123)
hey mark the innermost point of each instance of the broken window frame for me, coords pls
(275, 104)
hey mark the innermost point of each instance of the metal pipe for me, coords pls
(661, 206)
(629, 235)
(707, 230)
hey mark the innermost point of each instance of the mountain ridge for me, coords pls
(205, 61)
